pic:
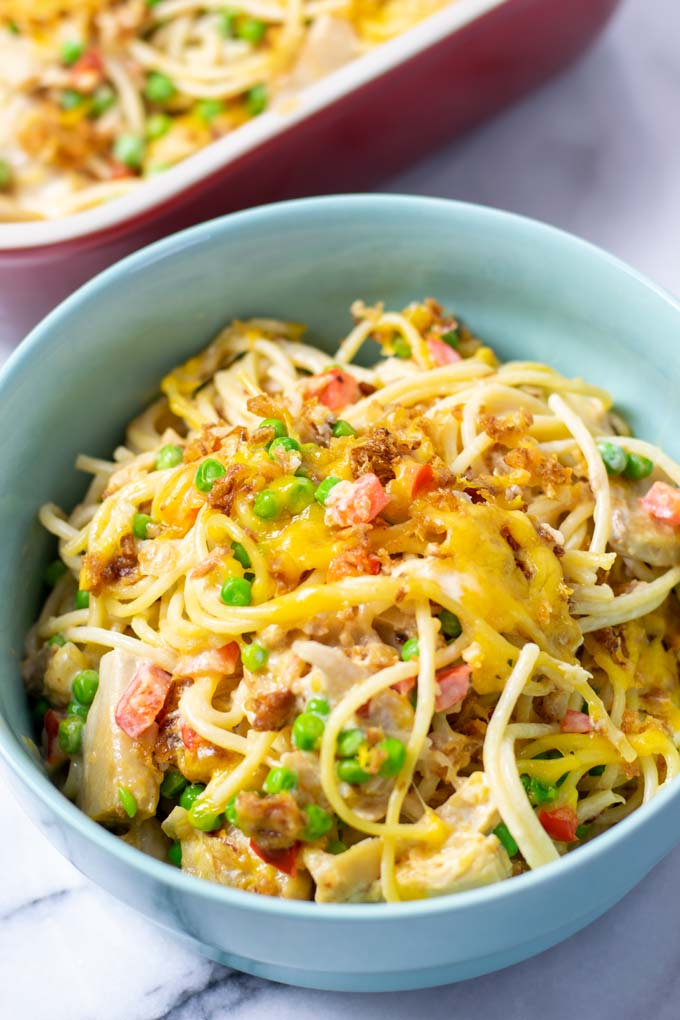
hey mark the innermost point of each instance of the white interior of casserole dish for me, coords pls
(323, 93)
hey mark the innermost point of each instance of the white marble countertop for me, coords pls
(595, 152)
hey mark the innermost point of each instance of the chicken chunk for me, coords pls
(350, 877)
(62, 666)
(225, 856)
(148, 837)
(634, 533)
(468, 858)
(111, 759)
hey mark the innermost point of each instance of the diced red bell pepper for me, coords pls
(51, 724)
(143, 699)
(418, 478)
(190, 738)
(454, 683)
(560, 823)
(352, 503)
(220, 661)
(87, 72)
(335, 388)
(662, 502)
(576, 722)
(284, 860)
(404, 686)
(441, 353)
(353, 563)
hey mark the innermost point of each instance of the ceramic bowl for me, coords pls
(533, 293)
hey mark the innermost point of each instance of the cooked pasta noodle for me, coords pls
(362, 634)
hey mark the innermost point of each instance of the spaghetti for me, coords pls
(96, 97)
(364, 634)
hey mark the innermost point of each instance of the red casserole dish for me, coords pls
(346, 132)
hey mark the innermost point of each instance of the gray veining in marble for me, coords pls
(595, 152)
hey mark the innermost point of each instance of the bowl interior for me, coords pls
(532, 292)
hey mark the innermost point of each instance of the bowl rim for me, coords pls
(218, 155)
(29, 772)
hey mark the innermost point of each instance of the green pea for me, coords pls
(204, 817)
(396, 756)
(227, 21)
(541, 793)
(410, 649)
(401, 348)
(350, 771)
(128, 149)
(85, 685)
(343, 428)
(280, 429)
(38, 711)
(319, 822)
(449, 625)
(57, 640)
(102, 100)
(82, 599)
(173, 784)
(70, 734)
(71, 51)
(638, 467)
(236, 591)
(230, 812)
(267, 505)
(336, 846)
(208, 109)
(159, 88)
(56, 570)
(156, 168)
(504, 836)
(349, 742)
(240, 555)
(307, 731)
(70, 99)
(322, 490)
(251, 30)
(6, 175)
(168, 457)
(254, 657)
(76, 708)
(298, 493)
(208, 473)
(452, 338)
(140, 523)
(189, 795)
(157, 125)
(280, 779)
(128, 801)
(615, 457)
(257, 99)
(175, 853)
(285, 443)
(318, 706)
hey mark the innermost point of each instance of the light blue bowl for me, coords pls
(533, 293)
